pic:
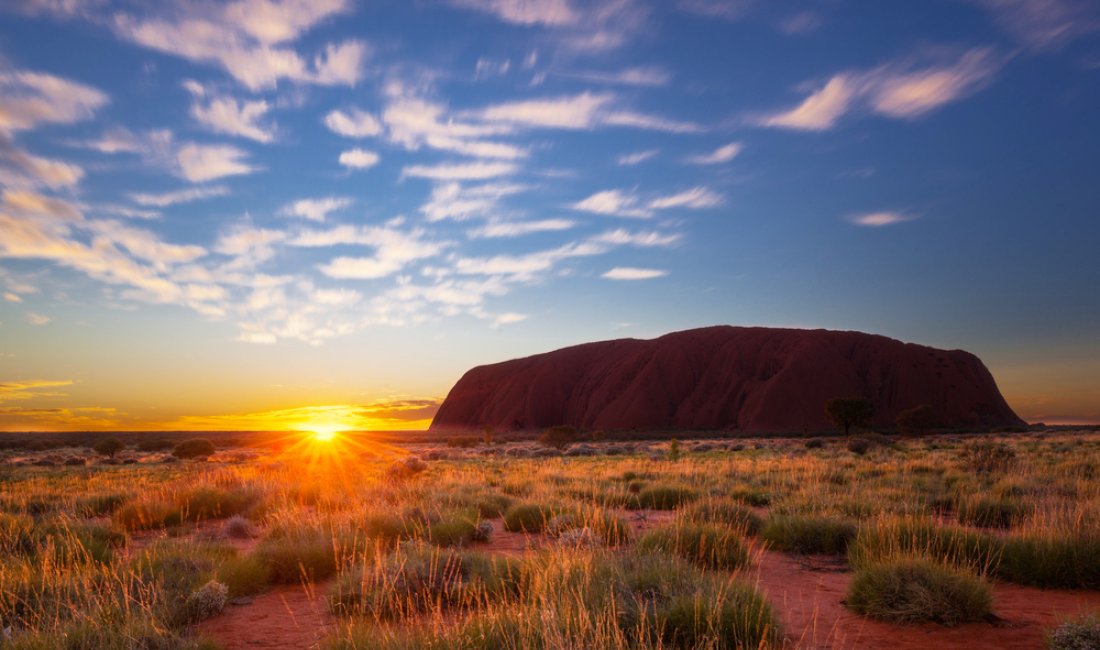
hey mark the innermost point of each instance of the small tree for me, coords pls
(560, 436)
(674, 450)
(488, 435)
(916, 420)
(194, 448)
(109, 447)
(848, 412)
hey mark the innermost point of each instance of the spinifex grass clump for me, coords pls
(906, 537)
(419, 578)
(807, 534)
(723, 511)
(665, 497)
(711, 546)
(989, 512)
(529, 517)
(1052, 559)
(914, 591)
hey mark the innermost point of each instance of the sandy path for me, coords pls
(808, 593)
(287, 618)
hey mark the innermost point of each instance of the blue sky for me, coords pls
(222, 214)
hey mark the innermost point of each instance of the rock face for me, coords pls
(739, 378)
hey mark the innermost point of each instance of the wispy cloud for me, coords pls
(697, 198)
(28, 99)
(1045, 24)
(11, 391)
(188, 195)
(498, 229)
(644, 76)
(633, 273)
(358, 158)
(353, 123)
(879, 219)
(199, 163)
(723, 154)
(612, 202)
(585, 110)
(37, 319)
(460, 171)
(897, 90)
(227, 115)
(637, 157)
(315, 209)
(251, 40)
(459, 202)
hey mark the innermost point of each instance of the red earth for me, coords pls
(806, 592)
(724, 378)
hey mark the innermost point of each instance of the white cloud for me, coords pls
(645, 239)
(879, 219)
(898, 90)
(19, 168)
(612, 202)
(199, 163)
(458, 202)
(1045, 24)
(722, 154)
(251, 40)
(37, 319)
(358, 159)
(353, 123)
(525, 12)
(497, 229)
(571, 112)
(696, 198)
(638, 76)
(413, 122)
(12, 297)
(28, 99)
(394, 249)
(227, 115)
(487, 68)
(460, 171)
(633, 273)
(166, 199)
(316, 209)
(637, 157)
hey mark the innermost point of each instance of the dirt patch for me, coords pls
(807, 594)
(287, 618)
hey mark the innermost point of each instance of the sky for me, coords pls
(268, 214)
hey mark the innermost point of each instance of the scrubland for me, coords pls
(515, 546)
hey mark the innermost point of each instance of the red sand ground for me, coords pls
(807, 593)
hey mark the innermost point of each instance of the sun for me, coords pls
(324, 433)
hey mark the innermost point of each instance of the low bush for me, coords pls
(988, 512)
(453, 530)
(244, 575)
(528, 517)
(665, 497)
(299, 555)
(723, 511)
(206, 601)
(859, 446)
(807, 534)
(99, 505)
(1081, 633)
(888, 540)
(711, 546)
(914, 591)
(194, 448)
(986, 457)
(1061, 560)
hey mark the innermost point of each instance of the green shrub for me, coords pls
(528, 517)
(99, 505)
(453, 530)
(244, 575)
(665, 497)
(710, 546)
(986, 512)
(146, 514)
(305, 554)
(109, 447)
(985, 457)
(723, 511)
(806, 534)
(208, 502)
(194, 448)
(741, 619)
(913, 591)
(387, 527)
(1064, 561)
(752, 497)
(892, 539)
